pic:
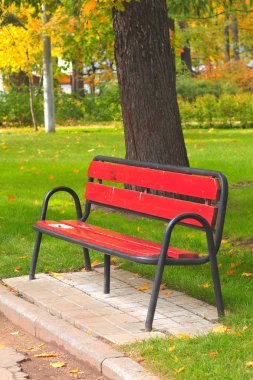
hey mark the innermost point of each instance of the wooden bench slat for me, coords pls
(179, 183)
(112, 240)
(150, 204)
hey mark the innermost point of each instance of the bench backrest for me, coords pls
(160, 191)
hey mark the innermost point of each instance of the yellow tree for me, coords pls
(20, 46)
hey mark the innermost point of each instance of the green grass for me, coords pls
(31, 164)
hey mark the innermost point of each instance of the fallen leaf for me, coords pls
(230, 271)
(76, 171)
(5, 147)
(137, 275)
(11, 198)
(14, 333)
(95, 262)
(51, 177)
(180, 369)
(212, 354)
(22, 257)
(117, 266)
(163, 286)
(168, 293)
(36, 202)
(74, 370)
(224, 241)
(175, 358)
(58, 364)
(140, 360)
(237, 333)
(202, 254)
(172, 348)
(91, 150)
(184, 336)
(244, 328)
(245, 274)
(234, 265)
(249, 364)
(17, 269)
(220, 329)
(206, 285)
(46, 355)
(2, 346)
(55, 274)
(143, 288)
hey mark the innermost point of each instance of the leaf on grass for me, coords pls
(202, 254)
(137, 275)
(46, 355)
(175, 358)
(58, 364)
(163, 286)
(212, 354)
(206, 285)
(244, 328)
(230, 271)
(91, 150)
(143, 288)
(11, 198)
(22, 257)
(184, 336)
(5, 147)
(249, 364)
(96, 262)
(74, 370)
(17, 269)
(180, 369)
(220, 329)
(233, 332)
(172, 348)
(234, 265)
(245, 274)
(51, 177)
(75, 171)
(2, 346)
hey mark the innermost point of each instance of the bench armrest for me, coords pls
(207, 228)
(56, 190)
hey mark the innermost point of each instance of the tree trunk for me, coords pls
(226, 37)
(35, 126)
(48, 84)
(147, 84)
(235, 38)
(77, 79)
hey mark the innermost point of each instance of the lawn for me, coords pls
(31, 164)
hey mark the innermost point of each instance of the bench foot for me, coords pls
(35, 256)
(86, 255)
(217, 285)
(107, 267)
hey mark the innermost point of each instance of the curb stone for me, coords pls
(110, 362)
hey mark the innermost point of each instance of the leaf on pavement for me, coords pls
(57, 364)
(143, 288)
(46, 355)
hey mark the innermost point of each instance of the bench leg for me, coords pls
(35, 256)
(86, 255)
(154, 296)
(217, 285)
(107, 268)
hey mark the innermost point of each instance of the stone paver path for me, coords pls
(118, 317)
(9, 368)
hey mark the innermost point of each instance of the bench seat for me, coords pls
(101, 238)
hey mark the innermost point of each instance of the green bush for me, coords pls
(68, 108)
(189, 88)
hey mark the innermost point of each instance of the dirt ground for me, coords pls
(40, 368)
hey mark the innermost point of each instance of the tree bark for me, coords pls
(77, 87)
(235, 38)
(226, 37)
(48, 84)
(146, 76)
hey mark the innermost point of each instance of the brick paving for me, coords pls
(118, 317)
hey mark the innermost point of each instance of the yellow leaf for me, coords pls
(143, 288)
(220, 329)
(184, 336)
(180, 369)
(162, 286)
(168, 293)
(249, 364)
(202, 254)
(74, 370)
(172, 348)
(212, 354)
(206, 285)
(22, 257)
(17, 269)
(57, 364)
(245, 274)
(175, 358)
(2, 346)
(89, 7)
(14, 333)
(55, 274)
(51, 177)
(76, 171)
(95, 262)
(244, 328)
(46, 355)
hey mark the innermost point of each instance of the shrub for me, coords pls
(68, 108)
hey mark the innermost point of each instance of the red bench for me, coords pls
(191, 197)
